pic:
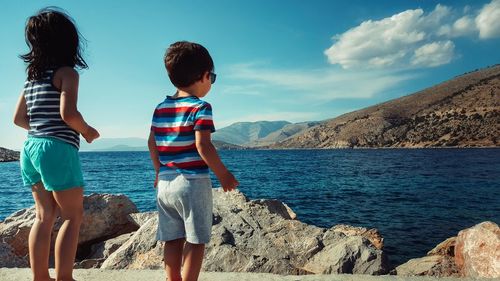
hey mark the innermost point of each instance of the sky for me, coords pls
(275, 60)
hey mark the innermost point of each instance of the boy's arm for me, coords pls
(67, 81)
(153, 153)
(21, 118)
(209, 154)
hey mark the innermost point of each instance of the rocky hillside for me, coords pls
(7, 155)
(283, 133)
(461, 112)
(220, 145)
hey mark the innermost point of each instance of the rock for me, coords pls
(141, 218)
(106, 248)
(434, 265)
(101, 251)
(105, 216)
(445, 248)
(353, 254)
(260, 236)
(477, 251)
(9, 259)
(141, 251)
(277, 207)
(371, 234)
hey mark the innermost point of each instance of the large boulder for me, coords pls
(477, 251)
(262, 236)
(105, 217)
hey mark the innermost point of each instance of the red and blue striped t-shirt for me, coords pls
(175, 121)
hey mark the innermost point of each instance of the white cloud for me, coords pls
(316, 84)
(433, 54)
(488, 20)
(400, 41)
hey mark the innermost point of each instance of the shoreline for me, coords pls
(24, 274)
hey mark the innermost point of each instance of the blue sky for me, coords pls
(275, 60)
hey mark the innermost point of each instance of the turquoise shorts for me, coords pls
(51, 161)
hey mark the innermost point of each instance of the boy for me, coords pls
(182, 151)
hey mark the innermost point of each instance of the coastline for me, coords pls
(24, 274)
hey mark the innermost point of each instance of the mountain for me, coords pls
(134, 144)
(461, 112)
(243, 133)
(115, 144)
(7, 155)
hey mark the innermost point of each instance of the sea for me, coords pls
(416, 198)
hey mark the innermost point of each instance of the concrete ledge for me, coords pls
(24, 274)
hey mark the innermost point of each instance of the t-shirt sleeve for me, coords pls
(153, 119)
(203, 118)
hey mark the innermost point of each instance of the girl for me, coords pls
(49, 159)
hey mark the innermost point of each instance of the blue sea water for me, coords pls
(415, 197)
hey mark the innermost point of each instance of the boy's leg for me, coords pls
(193, 258)
(70, 202)
(40, 234)
(172, 255)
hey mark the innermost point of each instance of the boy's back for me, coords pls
(175, 121)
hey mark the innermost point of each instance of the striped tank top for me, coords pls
(43, 102)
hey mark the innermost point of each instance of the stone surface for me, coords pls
(445, 248)
(105, 216)
(477, 251)
(434, 265)
(259, 236)
(141, 218)
(9, 259)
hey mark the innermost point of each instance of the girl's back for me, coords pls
(43, 107)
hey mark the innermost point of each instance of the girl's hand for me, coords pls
(91, 134)
(228, 182)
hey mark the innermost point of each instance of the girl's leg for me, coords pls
(40, 234)
(193, 258)
(70, 203)
(172, 255)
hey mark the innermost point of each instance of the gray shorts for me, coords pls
(184, 209)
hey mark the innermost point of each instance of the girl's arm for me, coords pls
(66, 79)
(153, 153)
(21, 118)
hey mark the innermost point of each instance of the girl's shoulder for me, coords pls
(65, 73)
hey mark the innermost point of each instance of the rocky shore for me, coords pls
(7, 155)
(257, 236)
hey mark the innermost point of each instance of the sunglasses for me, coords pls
(213, 76)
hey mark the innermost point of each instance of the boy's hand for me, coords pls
(228, 182)
(91, 134)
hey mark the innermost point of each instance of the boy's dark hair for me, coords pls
(186, 62)
(54, 42)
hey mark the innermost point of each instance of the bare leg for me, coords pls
(193, 258)
(40, 234)
(70, 203)
(172, 254)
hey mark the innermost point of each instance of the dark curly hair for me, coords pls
(186, 62)
(54, 42)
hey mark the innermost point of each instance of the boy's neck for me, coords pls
(185, 93)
